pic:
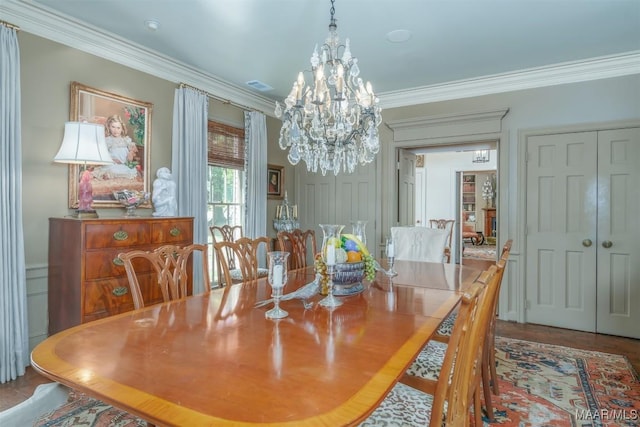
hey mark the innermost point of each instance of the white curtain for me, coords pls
(189, 166)
(14, 331)
(255, 125)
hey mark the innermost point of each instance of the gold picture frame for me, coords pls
(275, 182)
(131, 151)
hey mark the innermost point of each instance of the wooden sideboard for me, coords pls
(87, 280)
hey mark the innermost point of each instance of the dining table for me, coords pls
(214, 359)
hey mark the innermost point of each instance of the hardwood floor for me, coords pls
(14, 392)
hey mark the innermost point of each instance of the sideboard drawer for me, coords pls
(105, 263)
(117, 235)
(171, 232)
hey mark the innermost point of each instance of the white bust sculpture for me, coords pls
(164, 194)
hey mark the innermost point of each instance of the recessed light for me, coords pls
(398, 36)
(152, 24)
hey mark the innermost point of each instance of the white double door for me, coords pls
(583, 231)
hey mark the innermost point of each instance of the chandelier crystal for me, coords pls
(331, 123)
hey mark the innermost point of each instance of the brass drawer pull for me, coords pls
(121, 235)
(175, 232)
(118, 261)
(120, 291)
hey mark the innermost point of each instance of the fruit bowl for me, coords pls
(348, 273)
(131, 199)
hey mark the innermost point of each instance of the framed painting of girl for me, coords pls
(127, 124)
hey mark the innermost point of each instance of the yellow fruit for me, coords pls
(353, 256)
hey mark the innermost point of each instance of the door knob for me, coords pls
(607, 244)
(586, 243)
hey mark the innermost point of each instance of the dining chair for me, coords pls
(240, 260)
(224, 233)
(431, 364)
(419, 243)
(446, 401)
(298, 243)
(445, 224)
(443, 334)
(170, 263)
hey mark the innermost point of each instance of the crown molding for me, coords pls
(563, 73)
(73, 33)
(38, 20)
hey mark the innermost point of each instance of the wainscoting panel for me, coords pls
(37, 306)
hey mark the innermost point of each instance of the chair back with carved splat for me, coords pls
(298, 243)
(240, 260)
(171, 266)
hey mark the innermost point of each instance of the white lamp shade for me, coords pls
(83, 143)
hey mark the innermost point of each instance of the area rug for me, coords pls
(547, 385)
(484, 252)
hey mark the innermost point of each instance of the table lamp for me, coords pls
(84, 144)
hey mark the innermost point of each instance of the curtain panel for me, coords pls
(189, 166)
(256, 170)
(14, 330)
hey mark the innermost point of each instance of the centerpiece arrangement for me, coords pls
(353, 263)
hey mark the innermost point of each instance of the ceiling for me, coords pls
(451, 41)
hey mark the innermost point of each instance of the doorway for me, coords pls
(440, 193)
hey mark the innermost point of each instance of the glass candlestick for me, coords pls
(391, 255)
(330, 240)
(277, 279)
(359, 231)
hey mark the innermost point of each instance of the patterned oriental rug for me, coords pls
(541, 385)
(548, 385)
(484, 252)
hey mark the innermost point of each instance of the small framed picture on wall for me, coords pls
(275, 182)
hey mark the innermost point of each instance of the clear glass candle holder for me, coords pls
(277, 279)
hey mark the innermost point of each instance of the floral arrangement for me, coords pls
(136, 119)
(487, 190)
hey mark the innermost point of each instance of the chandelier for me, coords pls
(331, 123)
(480, 156)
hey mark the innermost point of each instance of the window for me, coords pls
(225, 178)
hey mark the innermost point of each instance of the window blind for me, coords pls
(225, 145)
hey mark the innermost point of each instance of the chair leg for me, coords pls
(477, 407)
(492, 368)
(486, 389)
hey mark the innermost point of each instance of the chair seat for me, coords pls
(81, 409)
(404, 406)
(429, 362)
(236, 274)
(447, 325)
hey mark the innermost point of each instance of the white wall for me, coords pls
(440, 181)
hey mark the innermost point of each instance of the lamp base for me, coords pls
(85, 214)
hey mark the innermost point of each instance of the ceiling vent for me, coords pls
(258, 85)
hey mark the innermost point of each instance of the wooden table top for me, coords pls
(216, 360)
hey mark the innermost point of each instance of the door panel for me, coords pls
(619, 223)
(337, 200)
(406, 187)
(561, 215)
(356, 197)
